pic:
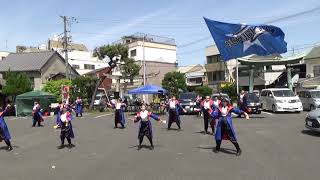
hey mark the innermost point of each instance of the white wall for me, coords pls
(309, 65)
(81, 58)
(154, 54)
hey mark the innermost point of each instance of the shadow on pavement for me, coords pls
(143, 146)
(222, 150)
(311, 133)
(257, 117)
(199, 132)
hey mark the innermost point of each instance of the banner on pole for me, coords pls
(238, 40)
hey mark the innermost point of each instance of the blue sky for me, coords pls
(32, 22)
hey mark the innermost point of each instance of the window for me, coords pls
(316, 71)
(209, 74)
(75, 66)
(133, 53)
(89, 66)
(216, 76)
(213, 59)
(283, 93)
(268, 68)
(197, 80)
(264, 93)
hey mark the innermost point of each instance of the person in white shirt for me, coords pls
(64, 122)
(174, 108)
(36, 115)
(224, 129)
(145, 128)
(119, 113)
(207, 107)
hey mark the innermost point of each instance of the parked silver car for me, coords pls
(220, 94)
(310, 99)
(313, 120)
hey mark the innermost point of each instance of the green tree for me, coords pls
(204, 91)
(83, 87)
(128, 67)
(54, 87)
(231, 90)
(174, 82)
(16, 83)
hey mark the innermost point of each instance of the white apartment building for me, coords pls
(79, 57)
(3, 54)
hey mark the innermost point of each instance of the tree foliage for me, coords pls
(174, 82)
(54, 87)
(231, 90)
(16, 83)
(129, 69)
(204, 91)
(83, 87)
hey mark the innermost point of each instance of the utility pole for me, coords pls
(144, 61)
(65, 44)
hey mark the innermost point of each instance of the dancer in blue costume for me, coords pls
(224, 129)
(37, 115)
(145, 128)
(4, 131)
(119, 116)
(78, 107)
(64, 122)
(174, 109)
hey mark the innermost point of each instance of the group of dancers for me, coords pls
(216, 112)
(63, 121)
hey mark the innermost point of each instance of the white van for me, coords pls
(280, 99)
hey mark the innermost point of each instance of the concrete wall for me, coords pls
(155, 67)
(154, 52)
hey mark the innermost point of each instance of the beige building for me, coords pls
(158, 53)
(39, 66)
(217, 70)
(194, 74)
(312, 61)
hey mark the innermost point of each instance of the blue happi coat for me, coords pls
(145, 127)
(78, 106)
(69, 129)
(37, 114)
(217, 115)
(4, 126)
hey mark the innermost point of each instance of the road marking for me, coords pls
(103, 115)
(267, 113)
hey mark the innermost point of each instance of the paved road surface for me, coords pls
(274, 147)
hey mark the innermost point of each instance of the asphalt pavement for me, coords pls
(274, 146)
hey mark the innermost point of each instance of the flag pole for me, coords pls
(237, 76)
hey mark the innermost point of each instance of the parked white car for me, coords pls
(310, 99)
(280, 99)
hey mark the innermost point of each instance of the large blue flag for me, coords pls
(238, 40)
